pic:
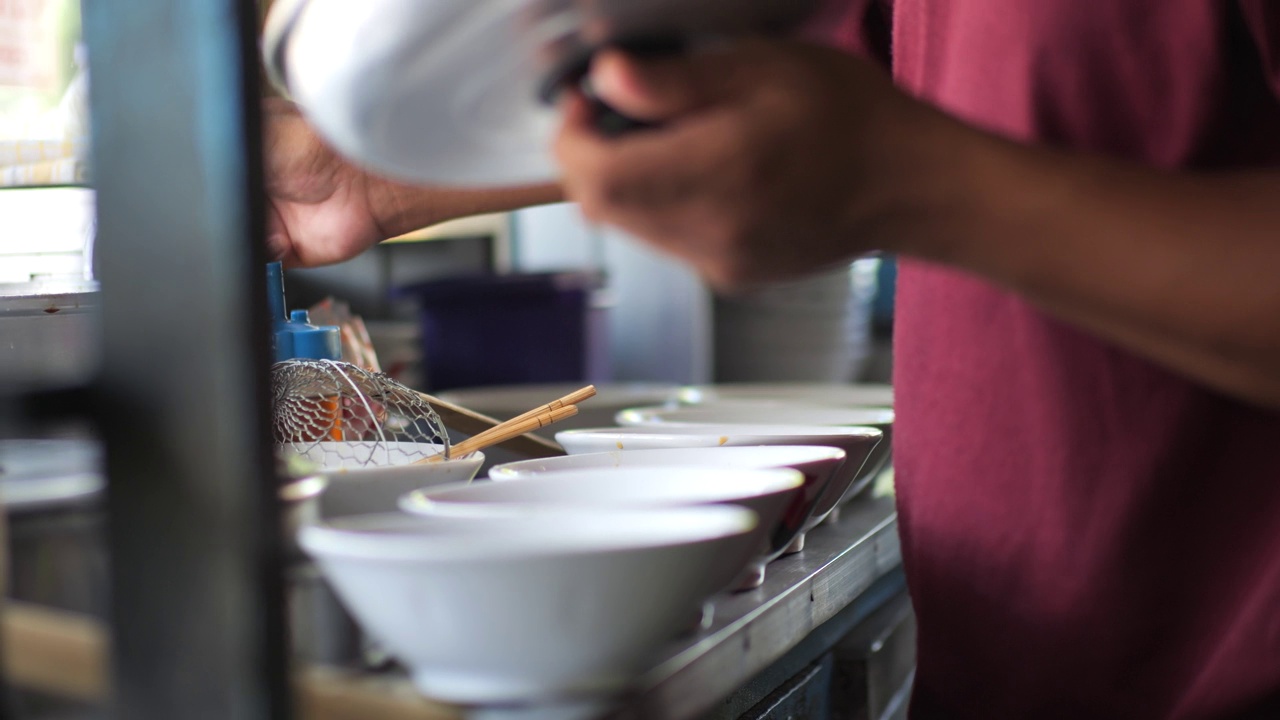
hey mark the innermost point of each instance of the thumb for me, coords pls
(279, 245)
(658, 89)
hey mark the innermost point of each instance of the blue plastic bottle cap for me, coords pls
(299, 339)
(294, 337)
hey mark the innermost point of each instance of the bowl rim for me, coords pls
(805, 453)
(725, 485)
(727, 430)
(656, 415)
(756, 391)
(474, 457)
(392, 537)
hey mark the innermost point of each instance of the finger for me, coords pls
(278, 106)
(575, 111)
(279, 246)
(671, 157)
(663, 188)
(658, 89)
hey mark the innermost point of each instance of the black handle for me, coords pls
(574, 70)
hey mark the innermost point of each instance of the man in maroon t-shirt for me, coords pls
(1088, 348)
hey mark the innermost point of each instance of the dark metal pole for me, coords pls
(9, 420)
(197, 616)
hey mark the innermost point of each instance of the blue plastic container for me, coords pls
(512, 329)
(293, 337)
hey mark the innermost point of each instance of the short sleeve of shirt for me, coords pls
(1263, 20)
(859, 26)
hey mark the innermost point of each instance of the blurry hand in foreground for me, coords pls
(775, 158)
(322, 209)
(771, 159)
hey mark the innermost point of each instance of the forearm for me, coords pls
(401, 208)
(1179, 268)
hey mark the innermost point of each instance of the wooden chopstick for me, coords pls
(456, 417)
(508, 430)
(572, 398)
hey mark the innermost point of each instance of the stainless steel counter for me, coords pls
(847, 571)
(781, 650)
(829, 634)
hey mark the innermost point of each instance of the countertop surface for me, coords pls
(848, 570)
(751, 631)
(754, 629)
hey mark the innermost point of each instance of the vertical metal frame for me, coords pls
(197, 619)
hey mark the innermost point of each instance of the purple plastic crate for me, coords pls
(511, 329)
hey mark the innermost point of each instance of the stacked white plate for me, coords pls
(740, 413)
(858, 443)
(814, 329)
(809, 393)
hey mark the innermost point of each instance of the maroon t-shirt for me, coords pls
(1086, 534)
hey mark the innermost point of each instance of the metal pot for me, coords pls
(320, 629)
(299, 500)
(52, 491)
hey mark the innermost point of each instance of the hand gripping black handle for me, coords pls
(574, 70)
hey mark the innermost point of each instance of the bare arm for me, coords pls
(1180, 268)
(403, 208)
(777, 158)
(323, 210)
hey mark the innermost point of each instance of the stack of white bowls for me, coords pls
(782, 485)
(558, 586)
(728, 415)
(808, 393)
(558, 606)
(822, 403)
(558, 583)
(858, 444)
(349, 479)
(813, 329)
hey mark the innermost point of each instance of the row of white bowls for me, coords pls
(562, 577)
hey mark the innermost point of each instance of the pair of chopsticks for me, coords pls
(539, 417)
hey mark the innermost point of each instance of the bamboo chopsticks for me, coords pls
(463, 420)
(539, 417)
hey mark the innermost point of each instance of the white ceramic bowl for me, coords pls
(507, 401)
(767, 492)
(747, 413)
(857, 442)
(365, 478)
(816, 464)
(510, 610)
(834, 394)
(755, 413)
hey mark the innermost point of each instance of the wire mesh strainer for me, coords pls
(341, 416)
